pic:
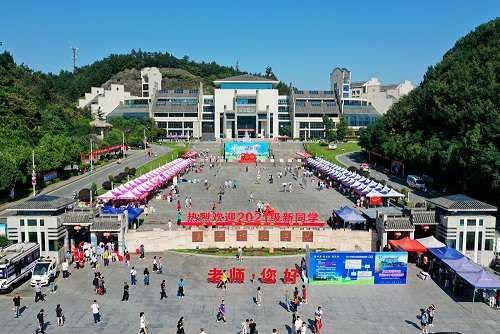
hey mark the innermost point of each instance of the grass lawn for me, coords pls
(176, 148)
(246, 251)
(331, 155)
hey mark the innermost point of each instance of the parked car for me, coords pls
(42, 271)
(364, 167)
(332, 146)
(416, 182)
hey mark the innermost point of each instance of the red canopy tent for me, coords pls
(408, 245)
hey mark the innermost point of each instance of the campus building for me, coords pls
(370, 95)
(55, 224)
(466, 224)
(247, 105)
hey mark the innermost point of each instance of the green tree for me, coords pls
(342, 129)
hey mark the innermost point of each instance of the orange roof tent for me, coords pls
(407, 244)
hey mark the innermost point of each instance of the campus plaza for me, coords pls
(346, 309)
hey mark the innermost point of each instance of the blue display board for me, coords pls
(3, 230)
(234, 149)
(391, 267)
(349, 268)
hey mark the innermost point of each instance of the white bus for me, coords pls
(16, 263)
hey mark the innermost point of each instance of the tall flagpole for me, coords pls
(33, 173)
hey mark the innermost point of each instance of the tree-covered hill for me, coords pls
(74, 85)
(449, 126)
(34, 116)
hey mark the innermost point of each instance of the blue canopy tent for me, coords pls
(133, 213)
(350, 215)
(446, 253)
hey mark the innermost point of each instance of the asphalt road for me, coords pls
(356, 158)
(135, 160)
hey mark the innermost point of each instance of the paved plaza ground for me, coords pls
(347, 309)
(300, 199)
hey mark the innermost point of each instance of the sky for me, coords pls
(303, 41)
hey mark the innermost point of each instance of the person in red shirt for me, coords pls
(304, 294)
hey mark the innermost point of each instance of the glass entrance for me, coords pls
(246, 126)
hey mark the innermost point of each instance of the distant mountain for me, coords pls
(179, 73)
(449, 126)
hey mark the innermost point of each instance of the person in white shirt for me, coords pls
(95, 312)
(303, 328)
(244, 327)
(65, 266)
(143, 323)
(202, 331)
(298, 325)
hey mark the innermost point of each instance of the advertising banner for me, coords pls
(350, 268)
(3, 230)
(234, 149)
(49, 176)
(391, 267)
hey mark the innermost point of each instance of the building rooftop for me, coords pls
(357, 84)
(423, 217)
(43, 203)
(460, 202)
(245, 78)
(398, 223)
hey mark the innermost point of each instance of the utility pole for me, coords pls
(74, 51)
(145, 140)
(123, 144)
(33, 173)
(91, 157)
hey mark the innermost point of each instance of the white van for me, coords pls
(42, 271)
(416, 182)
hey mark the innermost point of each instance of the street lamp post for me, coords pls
(33, 173)
(91, 157)
(145, 141)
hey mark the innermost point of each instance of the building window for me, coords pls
(451, 243)
(23, 236)
(461, 222)
(470, 242)
(471, 222)
(303, 125)
(208, 116)
(488, 244)
(21, 222)
(175, 125)
(480, 222)
(42, 222)
(31, 222)
(480, 241)
(52, 245)
(32, 237)
(190, 114)
(42, 241)
(461, 241)
(188, 125)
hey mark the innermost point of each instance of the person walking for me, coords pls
(202, 331)
(303, 328)
(146, 276)
(38, 292)
(250, 197)
(258, 297)
(155, 264)
(65, 266)
(127, 258)
(41, 322)
(163, 292)
(252, 327)
(430, 312)
(52, 282)
(125, 292)
(318, 322)
(59, 315)
(95, 312)
(143, 324)
(142, 251)
(17, 304)
(298, 325)
(239, 254)
(180, 289)
(244, 327)
(133, 276)
(221, 312)
(424, 321)
(304, 294)
(180, 326)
